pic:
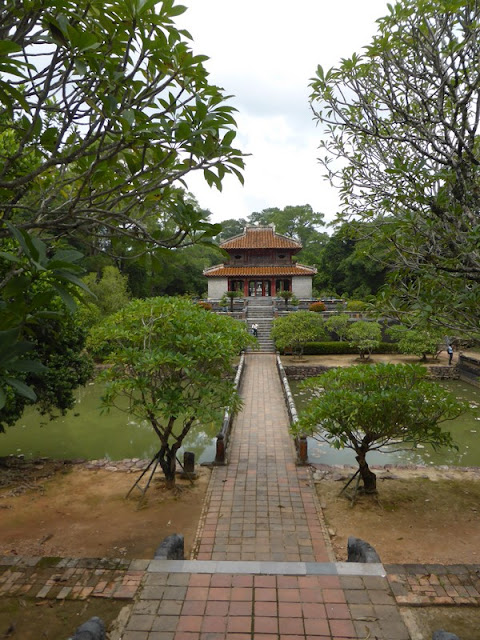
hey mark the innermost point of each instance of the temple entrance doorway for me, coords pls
(258, 288)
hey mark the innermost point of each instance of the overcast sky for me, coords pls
(264, 52)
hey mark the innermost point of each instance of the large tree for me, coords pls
(382, 407)
(402, 144)
(104, 111)
(173, 363)
(299, 221)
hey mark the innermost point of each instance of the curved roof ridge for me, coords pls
(258, 237)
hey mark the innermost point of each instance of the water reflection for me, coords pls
(465, 431)
(86, 432)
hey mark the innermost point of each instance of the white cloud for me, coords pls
(264, 52)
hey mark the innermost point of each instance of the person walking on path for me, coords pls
(255, 329)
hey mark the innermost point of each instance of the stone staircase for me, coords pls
(260, 310)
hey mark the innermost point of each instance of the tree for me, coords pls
(110, 291)
(105, 110)
(231, 295)
(419, 341)
(382, 407)
(348, 266)
(230, 228)
(299, 221)
(402, 121)
(296, 329)
(173, 363)
(286, 295)
(37, 292)
(365, 336)
(339, 325)
(44, 370)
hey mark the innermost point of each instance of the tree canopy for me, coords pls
(173, 362)
(104, 111)
(381, 407)
(364, 335)
(296, 329)
(402, 145)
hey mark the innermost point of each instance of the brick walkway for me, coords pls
(263, 567)
(262, 506)
(70, 578)
(435, 585)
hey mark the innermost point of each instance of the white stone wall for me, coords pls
(302, 286)
(217, 287)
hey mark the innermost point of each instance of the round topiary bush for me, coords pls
(318, 307)
(205, 305)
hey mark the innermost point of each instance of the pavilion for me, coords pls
(260, 264)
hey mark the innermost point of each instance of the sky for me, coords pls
(264, 52)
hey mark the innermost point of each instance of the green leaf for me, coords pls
(21, 388)
(7, 46)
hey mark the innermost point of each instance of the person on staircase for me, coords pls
(255, 329)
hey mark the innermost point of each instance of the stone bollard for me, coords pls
(220, 453)
(188, 470)
(172, 548)
(444, 635)
(189, 462)
(361, 551)
(93, 629)
(303, 449)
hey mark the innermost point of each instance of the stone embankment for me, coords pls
(299, 372)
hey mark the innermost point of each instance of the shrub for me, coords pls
(318, 307)
(340, 348)
(356, 305)
(205, 305)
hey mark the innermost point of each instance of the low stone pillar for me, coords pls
(361, 551)
(303, 449)
(188, 470)
(172, 548)
(220, 452)
(93, 629)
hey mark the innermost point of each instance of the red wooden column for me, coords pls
(245, 287)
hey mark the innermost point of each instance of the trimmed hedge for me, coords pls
(339, 348)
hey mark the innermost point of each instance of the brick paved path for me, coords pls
(70, 578)
(262, 565)
(262, 506)
(434, 584)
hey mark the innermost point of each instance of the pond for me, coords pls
(85, 432)
(465, 431)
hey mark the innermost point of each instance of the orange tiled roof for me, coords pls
(222, 271)
(260, 238)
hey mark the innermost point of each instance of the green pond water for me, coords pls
(86, 432)
(465, 431)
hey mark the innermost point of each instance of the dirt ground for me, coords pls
(22, 619)
(349, 360)
(423, 516)
(84, 513)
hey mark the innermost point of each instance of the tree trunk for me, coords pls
(168, 464)
(369, 479)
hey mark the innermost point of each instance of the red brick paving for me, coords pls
(262, 506)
